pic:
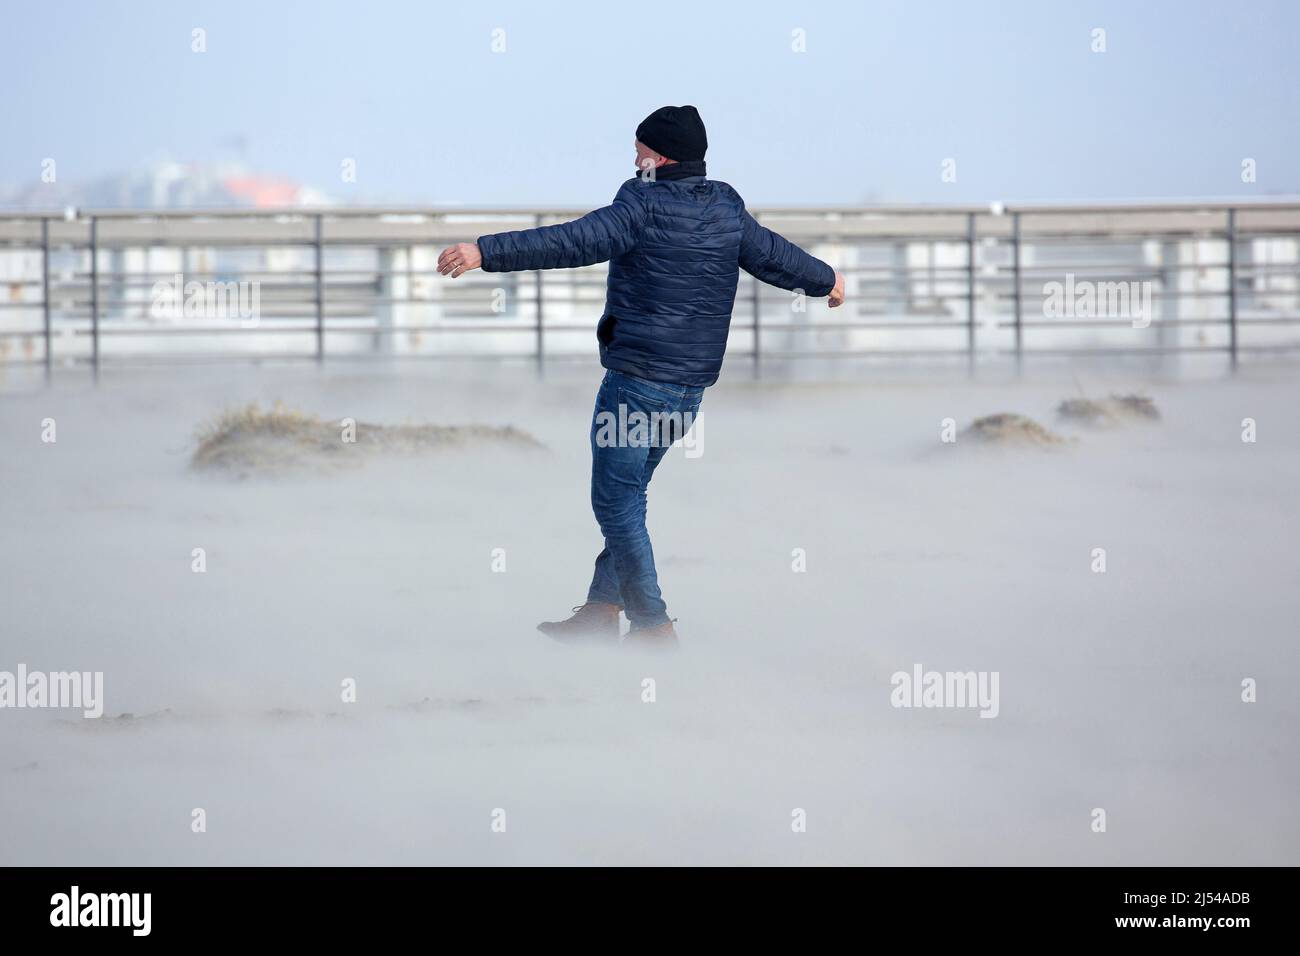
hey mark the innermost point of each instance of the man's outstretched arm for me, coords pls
(777, 261)
(596, 237)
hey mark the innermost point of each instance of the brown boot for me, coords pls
(591, 623)
(662, 637)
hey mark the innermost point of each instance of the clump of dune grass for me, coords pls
(257, 440)
(1008, 429)
(1114, 410)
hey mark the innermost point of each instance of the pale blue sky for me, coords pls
(884, 93)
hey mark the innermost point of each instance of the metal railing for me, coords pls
(968, 284)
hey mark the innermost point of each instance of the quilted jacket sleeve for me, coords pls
(777, 261)
(598, 236)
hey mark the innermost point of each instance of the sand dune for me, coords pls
(419, 579)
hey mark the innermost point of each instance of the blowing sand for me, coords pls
(419, 578)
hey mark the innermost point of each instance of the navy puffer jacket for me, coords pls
(675, 247)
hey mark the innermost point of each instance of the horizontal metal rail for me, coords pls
(986, 283)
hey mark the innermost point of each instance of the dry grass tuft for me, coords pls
(1115, 410)
(253, 440)
(1011, 430)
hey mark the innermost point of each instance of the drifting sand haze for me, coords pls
(1119, 690)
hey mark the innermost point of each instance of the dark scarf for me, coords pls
(683, 170)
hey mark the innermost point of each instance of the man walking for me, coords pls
(675, 242)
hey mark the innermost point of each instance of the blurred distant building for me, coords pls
(171, 185)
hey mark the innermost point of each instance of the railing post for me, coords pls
(539, 331)
(1232, 288)
(1015, 291)
(386, 309)
(45, 295)
(94, 297)
(756, 324)
(1168, 331)
(970, 292)
(320, 288)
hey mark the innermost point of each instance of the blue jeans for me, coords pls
(634, 424)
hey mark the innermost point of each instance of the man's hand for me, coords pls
(459, 258)
(836, 298)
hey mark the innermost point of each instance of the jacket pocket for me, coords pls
(605, 329)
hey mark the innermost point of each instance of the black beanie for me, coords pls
(676, 132)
